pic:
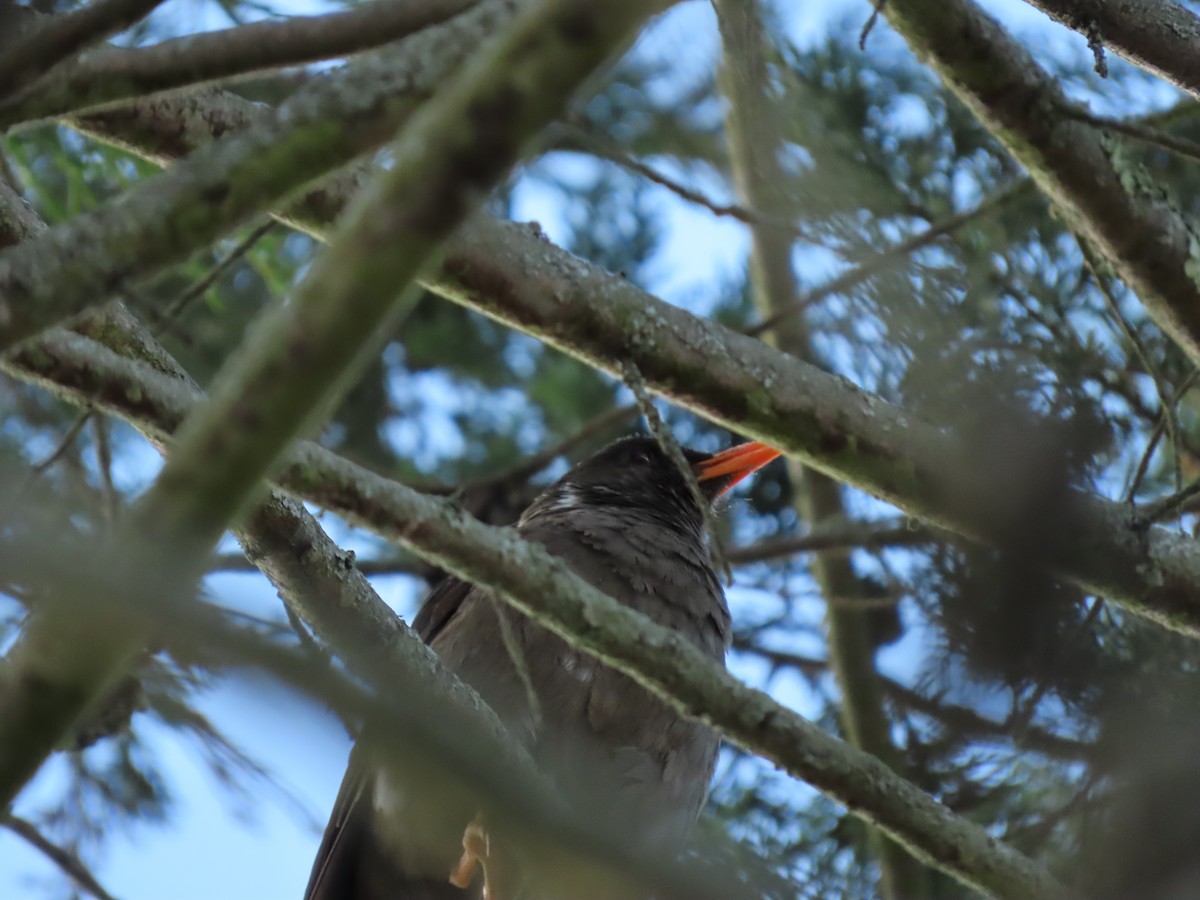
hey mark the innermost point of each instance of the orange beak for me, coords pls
(735, 463)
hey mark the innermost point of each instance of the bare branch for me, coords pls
(108, 76)
(70, 864)
(237, 562)
(959, 719)
(812, 415)
(892, 255)
(59, 37)
(177, 307)
(426, 737)
(847, 433)
(605, 148)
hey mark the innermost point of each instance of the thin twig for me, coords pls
(1021, 720)
(177, 307)
(899, 532)
(870, 25)
(317, 651)
(530, 466)
(1168, 506)
(67, 861)
(516, 653)
(1097, 267)
(104, 461)
(63, 445)
(236, 562)
(881, 260)
(961, 719)
(1138, 131)
(606, 148)
(666, 440)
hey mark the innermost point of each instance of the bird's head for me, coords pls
(635, 474)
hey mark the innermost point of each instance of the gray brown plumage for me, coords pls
(626, 521)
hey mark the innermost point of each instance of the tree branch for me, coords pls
(814, 416)
(163, 219)
(1085, 172)
(1160, 36)
(58, 37)
(567, 854)
(541, 586)
(70, 864)
(848, 434)
(116, 73)
(328, 591)
(892, 255)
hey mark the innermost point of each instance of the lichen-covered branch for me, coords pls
(512, 273)
(454, 150)
(106, 76)
(1161, 36)
(163, 219)
(541, 586)
(57, 38)
(1101, 193)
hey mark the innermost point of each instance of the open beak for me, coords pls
(734, 464)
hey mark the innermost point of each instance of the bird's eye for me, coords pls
(641, 456)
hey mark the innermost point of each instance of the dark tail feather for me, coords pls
(352, 864)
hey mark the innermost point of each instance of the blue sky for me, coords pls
(217, 847)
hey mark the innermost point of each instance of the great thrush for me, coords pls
(628, 521)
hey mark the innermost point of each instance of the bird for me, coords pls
(631, 522)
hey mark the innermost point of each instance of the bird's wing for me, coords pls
(439, 608)
(350, 864)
